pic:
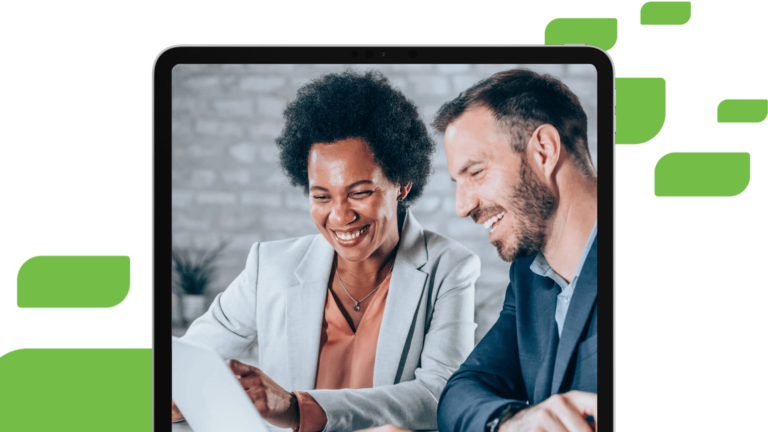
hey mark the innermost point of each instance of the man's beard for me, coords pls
(532, 205)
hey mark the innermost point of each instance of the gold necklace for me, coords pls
(357, 303)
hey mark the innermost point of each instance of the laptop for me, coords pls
(208, 394)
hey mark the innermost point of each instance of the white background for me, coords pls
(76, 172)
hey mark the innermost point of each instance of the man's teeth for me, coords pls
(493, 220)
(351, 236)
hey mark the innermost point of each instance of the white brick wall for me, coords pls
(227, 183)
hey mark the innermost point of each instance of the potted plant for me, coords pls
(193, 272)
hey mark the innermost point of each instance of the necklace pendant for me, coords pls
(357, 307)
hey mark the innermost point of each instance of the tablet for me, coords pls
(208, 393)
(222, 184)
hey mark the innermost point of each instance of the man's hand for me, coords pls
(177, 415)
(275, 405)
(565, 412)
(385, 428)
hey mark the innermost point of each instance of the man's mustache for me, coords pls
(484, 213)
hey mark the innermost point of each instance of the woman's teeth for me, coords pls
(493, 220)
(350, 236)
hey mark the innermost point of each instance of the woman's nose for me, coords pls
(342, 214)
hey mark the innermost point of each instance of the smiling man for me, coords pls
(517, 149)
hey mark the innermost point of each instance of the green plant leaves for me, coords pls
(194, 271)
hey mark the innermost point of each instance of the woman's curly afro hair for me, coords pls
(344, 105)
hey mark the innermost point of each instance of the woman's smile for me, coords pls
(351, 237)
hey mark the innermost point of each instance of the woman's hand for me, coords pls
(275, 405)
(177, 415)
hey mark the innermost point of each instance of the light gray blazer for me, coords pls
(427, 330)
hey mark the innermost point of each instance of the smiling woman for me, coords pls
(336, 107)
(361, 325)
(352, 202)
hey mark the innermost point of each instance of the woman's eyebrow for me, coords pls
(357, 183)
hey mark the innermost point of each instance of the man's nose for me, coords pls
(465, 201)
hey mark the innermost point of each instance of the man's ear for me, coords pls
(544, 148)
(403, 192)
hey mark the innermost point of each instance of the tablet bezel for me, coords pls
(555, 54)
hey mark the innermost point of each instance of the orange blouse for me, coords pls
(346, 357)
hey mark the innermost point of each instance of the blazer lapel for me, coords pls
(545, 299)
(304, 309)
(405, 291)
(579, 311)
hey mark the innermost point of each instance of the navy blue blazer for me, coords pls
(522, 358)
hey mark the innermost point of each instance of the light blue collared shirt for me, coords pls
(541, 267)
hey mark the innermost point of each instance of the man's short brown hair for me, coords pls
(522, 100)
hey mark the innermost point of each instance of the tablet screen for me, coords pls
(229, 187)
(284, 177)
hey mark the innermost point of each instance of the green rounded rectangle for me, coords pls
(742, 110)
(84, 390)
(73, 281)
(599, 32)
(702, 174)
(665, 13)
(641, 109)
